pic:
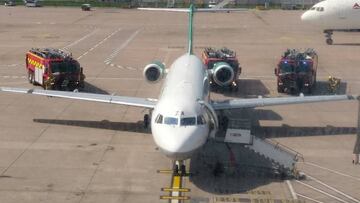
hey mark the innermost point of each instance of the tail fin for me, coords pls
(190, 31)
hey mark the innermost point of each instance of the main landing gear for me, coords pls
(328, 34)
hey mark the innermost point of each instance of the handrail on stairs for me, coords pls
(296, 154)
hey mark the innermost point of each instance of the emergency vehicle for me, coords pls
(54, 69)
(296, 71)
(223, 67)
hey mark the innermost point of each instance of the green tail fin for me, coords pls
(190, 31)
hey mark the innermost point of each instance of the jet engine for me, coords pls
(223, 74)
(154, 71)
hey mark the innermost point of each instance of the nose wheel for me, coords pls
(179, 168)
(328, 34)
(329, 41)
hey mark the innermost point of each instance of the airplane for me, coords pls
(184, 115)
(334, 15)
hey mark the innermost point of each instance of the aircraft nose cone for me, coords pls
(179, 143)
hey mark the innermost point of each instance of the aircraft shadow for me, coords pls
(248, 88)
(253, 114)
(214, 170)
(322, 88)
(256, 115)
(293, 131)
(89, 88)
(346, 44)
(104, 124)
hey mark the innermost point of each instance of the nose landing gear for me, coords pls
(179, 168)
(328, 34)
(176, 189)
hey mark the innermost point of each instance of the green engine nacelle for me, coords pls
(222, 73)
(154, 71)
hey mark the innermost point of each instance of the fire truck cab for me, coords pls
(223, 67)
(296, 71)
(54, 69)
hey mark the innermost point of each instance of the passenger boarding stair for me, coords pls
(278, 153)
(239, 131)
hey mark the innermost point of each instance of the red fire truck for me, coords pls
(223, 67)
(296, 71)
(54, 69)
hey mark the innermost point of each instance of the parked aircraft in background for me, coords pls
(183, 116)
(334, 15)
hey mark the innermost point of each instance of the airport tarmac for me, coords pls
(58, 150)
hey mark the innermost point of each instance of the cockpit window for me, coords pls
(187, 121)
(171, 120)
(159, 119)
(320, 9)
(313, 8)
(200, 120)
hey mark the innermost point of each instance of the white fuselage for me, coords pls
(334, 15)
(179, 123)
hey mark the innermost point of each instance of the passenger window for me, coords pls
(200, 120)
(171, 121)
(159, 119)
(187, 121)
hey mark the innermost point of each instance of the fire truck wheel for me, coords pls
(309, 90)
(31, 77)
(236, 88)
(280, 89)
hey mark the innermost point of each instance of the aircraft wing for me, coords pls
(186, 10)
(165, 9)
(258, 102)
(105, 98)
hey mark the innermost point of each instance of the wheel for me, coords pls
(31, 77)
(176, 169)
(309, 90)
(183, 169)
(280, 89)
(329, 41)
(234, 87)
